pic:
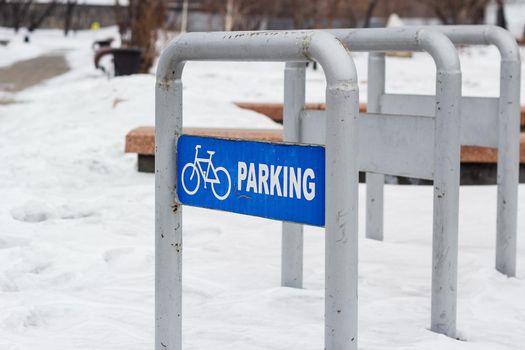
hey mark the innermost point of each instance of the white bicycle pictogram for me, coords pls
(214, 176)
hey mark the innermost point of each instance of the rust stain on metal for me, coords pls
(177, 246)
(306, 46)
(164, 84)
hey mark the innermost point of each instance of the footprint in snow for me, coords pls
(37, 211)
(32, 211)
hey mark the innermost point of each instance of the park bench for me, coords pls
(274, 111)
(101, 43)
(142, 141)
(126, 61)
(478, 164)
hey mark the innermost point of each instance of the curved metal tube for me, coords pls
(342, 102)
(254, 46)
(446, 158)
(508, 136)
(482, 35)
(402, 39)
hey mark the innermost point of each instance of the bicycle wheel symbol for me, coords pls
(190, 180)
(221, 189)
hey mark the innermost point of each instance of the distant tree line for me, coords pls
(31, 14)
(140, 21)
(255, 14)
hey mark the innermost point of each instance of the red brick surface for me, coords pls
(142, 140)
(274, 111)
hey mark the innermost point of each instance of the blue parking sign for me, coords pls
(272, 180)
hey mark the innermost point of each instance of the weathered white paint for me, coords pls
(341, 167)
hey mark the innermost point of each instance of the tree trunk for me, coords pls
(35, 22)
(442, 17)
(298, 14)
(184, 19)
(70, 9)
(19, 9)
(501, 18)
(228, 20)
(369, 12)
(3, 10)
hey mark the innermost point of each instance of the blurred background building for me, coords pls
(205, 15)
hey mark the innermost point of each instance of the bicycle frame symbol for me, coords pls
(212, 175)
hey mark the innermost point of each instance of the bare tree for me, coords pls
(239, 14)
(369, 12)
(347, 13)
(458, 11)
(121, 17)
(70, 6)
(302, 11)
(139, 26)
(19, 10)
(244, 14)
(331, 11)
(3, 10)
(27, 13)
(228, 17)
(501, 19)
(271, 9)
(36, 19)
(184, 16)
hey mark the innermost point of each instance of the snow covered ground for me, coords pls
(76, 224)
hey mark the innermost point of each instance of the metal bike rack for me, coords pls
(486, 122)
(341, 167)
(387, 146)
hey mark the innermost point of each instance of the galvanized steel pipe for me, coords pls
(447, 156)
(341, 167)
(447, 153)
(292, 233)
(508, 133)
